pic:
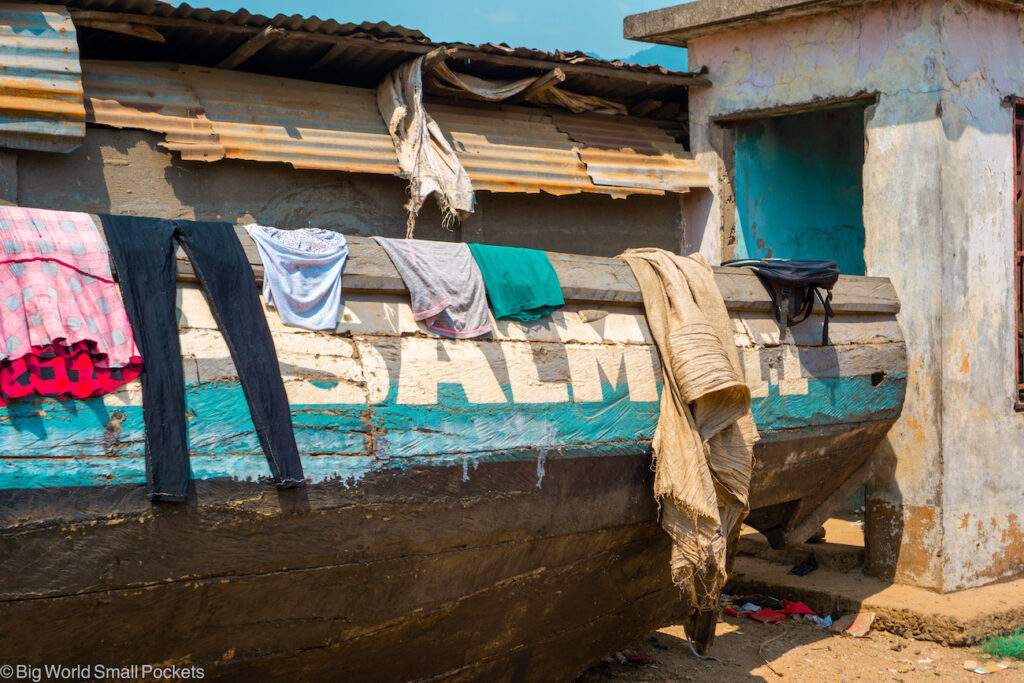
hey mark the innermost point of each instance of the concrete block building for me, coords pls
(887, 135)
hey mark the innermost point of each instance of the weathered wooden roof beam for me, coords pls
(251, 46)
(128, 28)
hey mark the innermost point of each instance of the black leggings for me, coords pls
(143, 252)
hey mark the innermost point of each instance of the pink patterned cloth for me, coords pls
(56, 287)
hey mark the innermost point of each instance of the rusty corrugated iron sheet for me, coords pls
(515, 149)
(317, 50)
(308, 125)
(631, 153)
(380, 30)
(214, 113)
(150, 97)
(40, 79)
(209, 114)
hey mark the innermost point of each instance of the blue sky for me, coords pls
(587, 25)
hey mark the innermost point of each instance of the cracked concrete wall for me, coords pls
(945, 511)
(982, 55)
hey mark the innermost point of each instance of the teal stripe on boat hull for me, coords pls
(53, 444)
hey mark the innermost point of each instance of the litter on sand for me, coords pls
(806, 567)
(989, 668)
(855, 625)
(782, 609)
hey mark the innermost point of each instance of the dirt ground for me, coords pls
(797, 652)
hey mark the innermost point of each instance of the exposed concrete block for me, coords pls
(8, 176)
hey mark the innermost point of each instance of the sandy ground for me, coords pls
(797, 652)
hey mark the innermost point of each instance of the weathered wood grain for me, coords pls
(413, 512)
(542, 604)
(256, 614)
(805, 463)
(361, 576)
(588, 279)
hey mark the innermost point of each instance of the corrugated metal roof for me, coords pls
(346, 53)
(294, 22)
(631, 153)
(321, 126)
(40, 79)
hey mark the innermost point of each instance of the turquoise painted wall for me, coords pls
(799, 189)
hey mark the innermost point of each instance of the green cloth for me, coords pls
(521, 283)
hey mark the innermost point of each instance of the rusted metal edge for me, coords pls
(41, 105)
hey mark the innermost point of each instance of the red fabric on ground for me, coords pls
(771, 616)
(58, 371)
(797, 608)
(768, 616)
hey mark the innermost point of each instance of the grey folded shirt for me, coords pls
(445, 285)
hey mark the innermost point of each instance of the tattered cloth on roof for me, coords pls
(444, 80)
(705, 434)
(424, 154)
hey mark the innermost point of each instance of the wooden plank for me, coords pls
(587, 611)
(67, 537)
(588, 280)
(804, 526)
(134, 29)
(364, 615)
(251, 46)
(797, 464)
(356, 571)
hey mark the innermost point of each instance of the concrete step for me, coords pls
(961, 618)
(842, 549)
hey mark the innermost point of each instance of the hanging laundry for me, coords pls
(302, 273)
(143, 251)
(444, 283)
(703, 444)
(521, 283)
(424, 153)
(63, 329)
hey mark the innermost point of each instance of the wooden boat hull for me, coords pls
(480, 509)
(415, 574)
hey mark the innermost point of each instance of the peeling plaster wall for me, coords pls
(126, 171)
(921, 200)
(983, 437)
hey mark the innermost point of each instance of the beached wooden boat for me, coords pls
(481, 509)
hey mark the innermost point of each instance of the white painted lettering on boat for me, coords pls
(421, 370)
(538, 362)
(588, 363)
